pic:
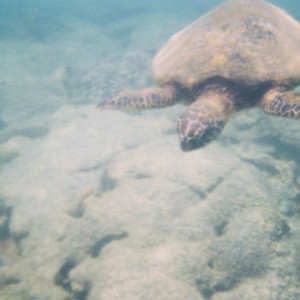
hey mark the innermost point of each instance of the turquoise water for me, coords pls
(105, 205)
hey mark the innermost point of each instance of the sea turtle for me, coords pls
(241, 54)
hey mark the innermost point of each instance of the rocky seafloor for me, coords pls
(104, 205)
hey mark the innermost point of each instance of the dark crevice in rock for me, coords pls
(90, 169)
(62, 279)
(8, 239)
(5, 216)
(132, 146)
(79, 208)
(141, 176)
(286, 151)
(18, 238)
(211, 188)
(78, 211)
(203, 286)
(198, 192)
(220, 227)
(107, 183)
(203, 194)
(9, 245)
(96, 249)
(292, 206)
(262, 165)
(280, 231)
(9, 281)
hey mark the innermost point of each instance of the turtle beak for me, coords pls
(185, 144)
(190, 135)
(196, 135)
(188, 144)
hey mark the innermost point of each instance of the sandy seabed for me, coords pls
(104, 205)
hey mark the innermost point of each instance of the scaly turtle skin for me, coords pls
(241, 54)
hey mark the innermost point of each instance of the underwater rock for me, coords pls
(119, 212)
(244, 251)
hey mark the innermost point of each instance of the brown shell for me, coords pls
(248, 41)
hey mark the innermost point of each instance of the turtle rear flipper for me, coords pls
(282, 102)
(154, 97)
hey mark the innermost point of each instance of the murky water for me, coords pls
(104, 205)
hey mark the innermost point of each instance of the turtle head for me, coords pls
(195, 133)
(203, 120)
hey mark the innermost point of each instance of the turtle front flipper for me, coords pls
(154, 97)
(204, 120)
(280, 101)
